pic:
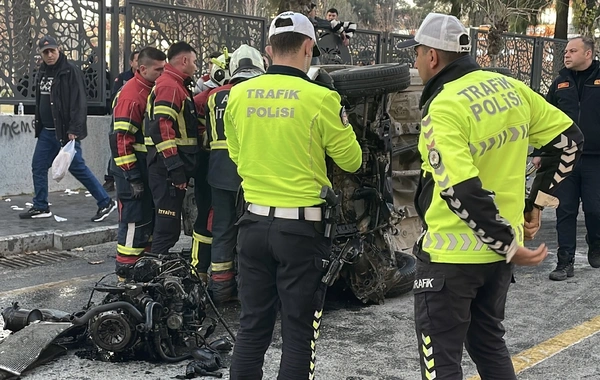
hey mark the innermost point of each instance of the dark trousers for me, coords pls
(583, 184)
(136, 220)
(46, 149)
(202, 237)
(109, 175)
(224, 230)
(281, 263)
(168, 202)
(462, 303)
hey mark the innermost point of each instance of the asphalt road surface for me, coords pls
(551, 326)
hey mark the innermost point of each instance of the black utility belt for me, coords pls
(312, 214)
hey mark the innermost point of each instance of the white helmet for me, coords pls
(246, 62)
(219, 73)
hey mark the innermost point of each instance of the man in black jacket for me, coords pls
(123, 77)
(60, 116)
(576, 92)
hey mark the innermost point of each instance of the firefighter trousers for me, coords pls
(136, 223)
(458, 304)
(281, 264)
(168, 202)
(202, 237)
(224, 230)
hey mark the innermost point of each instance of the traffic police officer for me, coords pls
(475, 133)
(279, 128)
(246, 62)
(202, 236)
(136, 208)
(173, 127)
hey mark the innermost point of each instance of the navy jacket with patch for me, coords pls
(583, 109)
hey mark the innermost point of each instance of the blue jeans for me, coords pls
(46, 149)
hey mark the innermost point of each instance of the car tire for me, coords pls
(373, 80)
(407, 267)
(500, 70)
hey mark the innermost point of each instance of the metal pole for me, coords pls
(114, 40)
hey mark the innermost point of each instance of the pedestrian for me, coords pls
(475, 133)
(172, 124)
(60, 116)
(120, 80)
(136, 208)
(279, 127)
(574, 92)
(202, 236)
(246, 62)
(126, 75)
(344, 29)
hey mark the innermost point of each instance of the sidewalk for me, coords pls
(25, 235)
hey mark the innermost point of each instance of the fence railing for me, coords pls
(533, 60)
(80, 28)
(159, 25)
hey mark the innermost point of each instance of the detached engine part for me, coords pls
(16, 318)
(160, 315)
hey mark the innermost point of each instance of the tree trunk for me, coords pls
(562, 15)
(300, 6)
(456, 8)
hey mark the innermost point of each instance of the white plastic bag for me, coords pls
(60, 165)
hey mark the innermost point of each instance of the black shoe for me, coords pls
(35, 213)
(562, 271)
(594, 257)
(104, 212)
(109, 185)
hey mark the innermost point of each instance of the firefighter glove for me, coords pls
(178, 176)
(137, 188)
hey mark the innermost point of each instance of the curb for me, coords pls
(56, 239)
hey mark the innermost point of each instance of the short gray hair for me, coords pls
(588, 43)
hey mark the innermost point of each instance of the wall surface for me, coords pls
(17, 143)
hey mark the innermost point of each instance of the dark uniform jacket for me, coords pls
(579, 98)
(67, 98)
(127, 139)
(172, 121)
(222, 172)
(121, 80)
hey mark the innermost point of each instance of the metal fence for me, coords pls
(80, 28)
(159, 25)
(533, 60)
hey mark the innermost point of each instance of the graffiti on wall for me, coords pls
(10, 130)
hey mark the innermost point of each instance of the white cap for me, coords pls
(298, 23)
(442, 32)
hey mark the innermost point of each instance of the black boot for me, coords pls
(594, 256)
(564, 268)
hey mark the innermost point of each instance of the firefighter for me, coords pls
(136, 208)
(476, 130)
(246, 62)
(172, 124)
(202, 236)
(279, 127)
